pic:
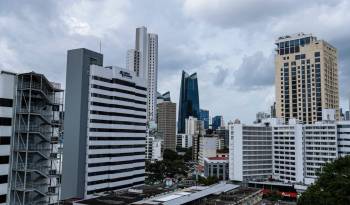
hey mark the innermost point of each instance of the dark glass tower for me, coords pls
(189, 100)
(204, 116)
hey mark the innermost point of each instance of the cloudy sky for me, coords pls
(229, 43)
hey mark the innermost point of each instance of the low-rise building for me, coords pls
(216, 167)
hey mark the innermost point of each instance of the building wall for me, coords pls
(207, 148)
(320, 144)
(250, 152)
(288, 153)
(167, 124)
(216, 168)
(343, 135)
(306, 78)
(7, 80)
(76, 117)
(116, 130)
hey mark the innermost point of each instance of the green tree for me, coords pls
(170, 155)
(332, 186)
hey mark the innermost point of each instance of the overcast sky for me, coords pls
(229, 43)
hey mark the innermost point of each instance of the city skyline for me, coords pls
(198, 40)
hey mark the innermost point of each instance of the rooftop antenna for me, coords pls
(100, 46)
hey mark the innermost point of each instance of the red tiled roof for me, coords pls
(217, 158)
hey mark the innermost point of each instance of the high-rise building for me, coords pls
(217, 121)
(105, 127)
(189, 100)
(204, 116)
(167, 124)
(306, 78)
(143, 60)
(30, 143)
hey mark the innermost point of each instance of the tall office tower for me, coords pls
(167, 124)
(204, 116)
(143, 60)
(30, 128)
(105, 127)
(189, 100)
(217, 121)
(306, 78)
(250, 152)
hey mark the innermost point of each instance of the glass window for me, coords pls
(317, 54)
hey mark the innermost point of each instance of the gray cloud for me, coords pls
(221, 75)
(219, 40)
(255, 72)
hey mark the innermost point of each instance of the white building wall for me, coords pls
(117, 130)
(343, 135)
(7, 95)
(236, 152)
(320, 147)
(207, 148)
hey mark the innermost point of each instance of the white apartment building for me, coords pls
(298, 151)
(288, 152)
(320, 147)
(250, 152)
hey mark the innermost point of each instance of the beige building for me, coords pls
(167, 124)
(306, 78)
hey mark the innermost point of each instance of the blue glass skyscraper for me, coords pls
(204, 116)
(217, 122)
(189, 100)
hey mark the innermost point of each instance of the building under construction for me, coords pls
(36, 144)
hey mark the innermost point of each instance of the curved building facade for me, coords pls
(189, 99)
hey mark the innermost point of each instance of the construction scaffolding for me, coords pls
(37, 141)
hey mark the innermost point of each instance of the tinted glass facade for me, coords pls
(204, 116)
(189, 100)
(216, 122)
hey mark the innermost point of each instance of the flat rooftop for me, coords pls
(187, 195)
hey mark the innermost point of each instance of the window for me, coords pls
(5, 121)
(6, 102)
(4, 159)
(317, 54)
(5, 140)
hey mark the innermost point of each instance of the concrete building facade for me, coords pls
(306, 78)
(105, 127)
(166, 112)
